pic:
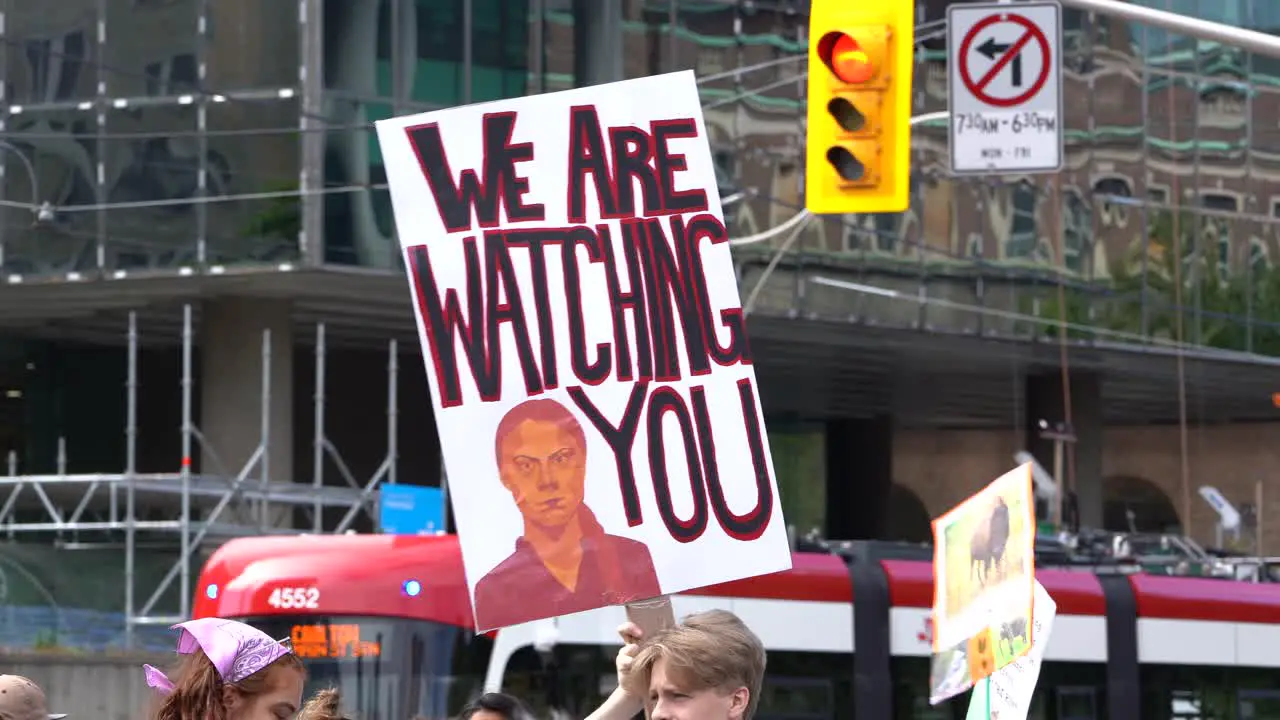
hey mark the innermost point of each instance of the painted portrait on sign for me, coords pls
(564, 561)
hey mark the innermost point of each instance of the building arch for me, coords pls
(1151, 508)
(908, 518)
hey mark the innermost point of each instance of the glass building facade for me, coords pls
(176, 133)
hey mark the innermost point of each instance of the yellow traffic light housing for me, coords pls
(859, 121)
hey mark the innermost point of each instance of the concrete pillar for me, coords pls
(597, 41)
(230, 384)
(1045, 402)
(859, 477)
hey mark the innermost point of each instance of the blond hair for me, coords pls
(324, 705)
(712, 650)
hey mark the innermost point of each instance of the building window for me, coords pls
(1220, 202)
(1077, 233)
(1259, 256)
(500, 50)
(1217, 228)
(1114, 195)
(1024, 238)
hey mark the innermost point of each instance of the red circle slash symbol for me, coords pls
(979, 87)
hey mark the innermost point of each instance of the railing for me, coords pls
(57, 629)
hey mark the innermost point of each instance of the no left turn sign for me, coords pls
(1005, 87)
(1004, 60)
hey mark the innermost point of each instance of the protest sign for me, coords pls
(1007, 693)
(585, 347)
(983, 581)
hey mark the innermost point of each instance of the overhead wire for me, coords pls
(205, 199)
(349, 127)
(19, 137)
(1127, 338)
(781, 251)
(925, 31)
(1027, 274)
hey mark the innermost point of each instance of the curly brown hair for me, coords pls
(197, 692)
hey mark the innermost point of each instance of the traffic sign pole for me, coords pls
(1250, 40)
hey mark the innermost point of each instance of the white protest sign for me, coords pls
(585, 347)
(1006, 694)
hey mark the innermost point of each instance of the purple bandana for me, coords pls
(235, 649)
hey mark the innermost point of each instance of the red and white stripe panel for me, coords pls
(1075, 638)
(783, 625)
(827, 627)
(1208, 642)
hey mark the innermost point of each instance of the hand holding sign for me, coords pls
(631, 636)
(624, 703)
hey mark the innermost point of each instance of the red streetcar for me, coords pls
(387, 619)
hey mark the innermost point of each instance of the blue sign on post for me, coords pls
(411, 510)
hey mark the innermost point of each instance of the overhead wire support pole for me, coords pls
(393, 411)
(188, 351)
(264, 460)
(131, 472)
(1238, 37)
(317, 442)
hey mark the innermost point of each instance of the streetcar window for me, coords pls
(807, 686)
(1206, 692)
(911, 693)
(1065, 691)
(386, 668)
(571, 678)
(1077, 703)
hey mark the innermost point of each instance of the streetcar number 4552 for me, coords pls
(294, 598)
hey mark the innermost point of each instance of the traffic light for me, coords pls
(859, 129)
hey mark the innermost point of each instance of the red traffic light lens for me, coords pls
(845, 58)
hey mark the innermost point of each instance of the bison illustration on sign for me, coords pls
(988, 544)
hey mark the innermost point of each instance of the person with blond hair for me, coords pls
(324, 705)
(709, 666)
(228, 671)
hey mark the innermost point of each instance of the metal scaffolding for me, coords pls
(70, 503)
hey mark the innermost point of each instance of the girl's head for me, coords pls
(229, 671)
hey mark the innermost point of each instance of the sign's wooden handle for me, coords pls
(652, 615)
